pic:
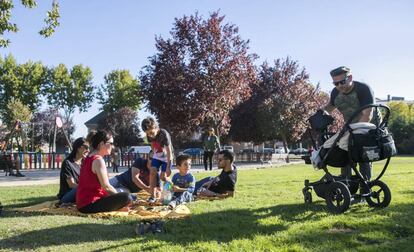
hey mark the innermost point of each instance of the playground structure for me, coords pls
(33, 159)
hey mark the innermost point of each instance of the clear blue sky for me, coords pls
(374, 38)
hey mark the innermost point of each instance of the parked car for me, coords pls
(268, 150)
(228, 147)
(281, 150)
(145, 149)
(193, 151)
(299, 151)
(247, 151)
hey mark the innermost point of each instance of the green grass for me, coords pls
(267, 214)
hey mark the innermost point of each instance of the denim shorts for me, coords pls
(158, 163)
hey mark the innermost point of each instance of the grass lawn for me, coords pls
(267, 214)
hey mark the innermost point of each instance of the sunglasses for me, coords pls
(341, 82)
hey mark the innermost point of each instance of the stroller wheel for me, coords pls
(338, 197)
(380, 194)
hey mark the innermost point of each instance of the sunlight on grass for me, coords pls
(267, 214)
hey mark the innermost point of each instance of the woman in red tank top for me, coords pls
(94, 193)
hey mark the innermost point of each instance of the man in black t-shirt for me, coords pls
(348, 96)
(225, 183)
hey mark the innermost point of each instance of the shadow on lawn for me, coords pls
(221, 226)
(230, 225)
(29, 202)
(68, 235)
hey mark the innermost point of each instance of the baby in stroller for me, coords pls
(355, 143)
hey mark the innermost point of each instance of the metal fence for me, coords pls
(54, 160)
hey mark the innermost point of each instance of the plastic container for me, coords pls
(167, 192)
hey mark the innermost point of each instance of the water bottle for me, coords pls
(166, 193)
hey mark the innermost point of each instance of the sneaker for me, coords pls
(151, 200)
(172, 204)
(133, 197)
(157, 227)
(19, 175)
(143, 228)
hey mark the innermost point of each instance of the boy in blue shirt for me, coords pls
(184, 182)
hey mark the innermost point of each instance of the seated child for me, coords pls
(184, 182)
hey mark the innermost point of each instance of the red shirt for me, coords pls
(89, 189)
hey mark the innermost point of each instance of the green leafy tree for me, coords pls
(17, 111)
(401, 124)
(399, 111)
(119, 90)
(6, 7)
(69, 90)
(22, 82)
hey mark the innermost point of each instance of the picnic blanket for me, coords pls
(139, 210)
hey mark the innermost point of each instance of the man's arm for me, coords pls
(365, 97)
(137, 181)
(366, 115)
(328, 108)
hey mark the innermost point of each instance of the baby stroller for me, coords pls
(358, 142)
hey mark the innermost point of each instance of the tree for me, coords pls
(17, 111)
(6, 7)
(199, 75)
(399, 111)
(22, 82)
(123, 123)
(17, 114)
(69, 90)
(282, 100)
(119, 90)
(401, 124)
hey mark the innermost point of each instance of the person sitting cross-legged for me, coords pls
(225, 183)
(94, 193)
(70, 169)
(184, 182)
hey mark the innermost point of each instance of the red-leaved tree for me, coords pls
(282, 101)
(198, 75)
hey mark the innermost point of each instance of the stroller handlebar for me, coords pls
(384, 121)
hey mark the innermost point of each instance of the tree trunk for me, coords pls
(285, 146)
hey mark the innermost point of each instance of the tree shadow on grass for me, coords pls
(226, 226)
(29, 202)
(68, 235)
(220, 226)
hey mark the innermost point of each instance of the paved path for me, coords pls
(44, 177)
